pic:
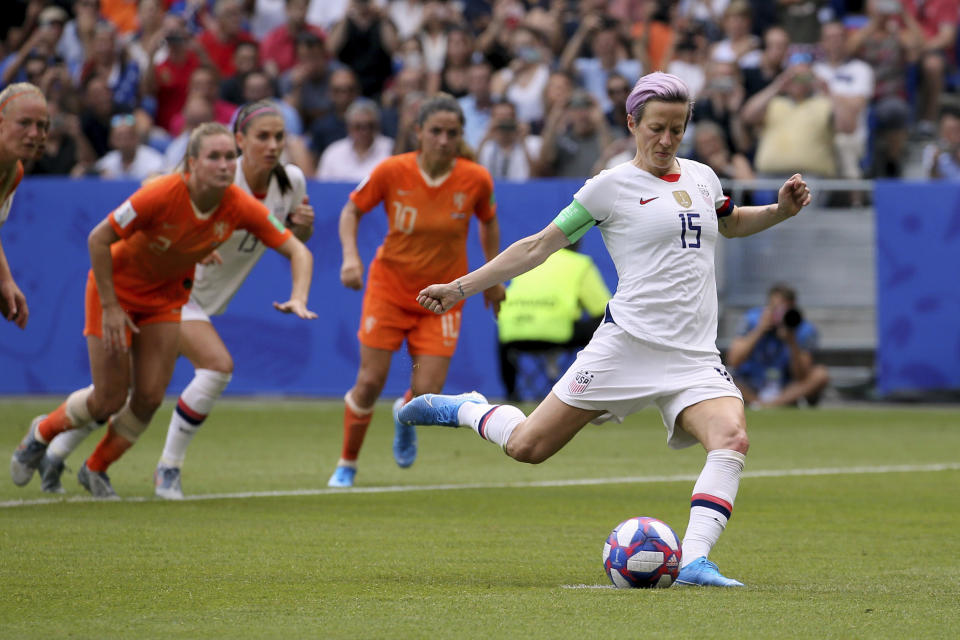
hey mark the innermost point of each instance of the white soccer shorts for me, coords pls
(193, 311)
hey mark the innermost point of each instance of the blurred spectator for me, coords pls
(196, 111)
(507, 150)
(796, 124)
(407, 81)
(710, 147)
(618, 88)
(941, 159)
(65, 151)
(306, 85)
(406, 138)
(653, 33)
(107, 59)
(452, 78)
(477, 103)
(151, 18)
(557, 93)
(129, 160)
(258, 85)
(891, 137)
(406, 15)
(54, 81)
(223, 33)
(365, 41)
(96, 110)
(802, 18)
(344, 89)
(494, 42)
(40, 44)
(522, 82)
(937, 19)
(278, 49)
(78, 33)
(607, 55)
(327, 13)
(203, 81)
(122, 13)
(574, 138)
(409, 55)
(721, 101)
(167, 82)
(438, 17)
(738, 45)
(850, 84)
(246, 59)
(687, 61)
(773, 60)
(351, 159)
(266, 16)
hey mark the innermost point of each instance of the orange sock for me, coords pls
(54, 424)
(407, 396)
(108, 450)
(354, 431)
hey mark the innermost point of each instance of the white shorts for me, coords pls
(620, 375)
(193, 311)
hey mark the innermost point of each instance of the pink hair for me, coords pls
(660, 86)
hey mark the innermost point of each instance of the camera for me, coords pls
(792, 318)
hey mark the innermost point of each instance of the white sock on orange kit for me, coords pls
(712, 502)
(493, 422)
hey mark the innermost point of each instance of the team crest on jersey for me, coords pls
(683, 198)
(220, 229)
(581, 380)
(459, 199)
(705, 192)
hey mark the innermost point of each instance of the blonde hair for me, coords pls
(15, 90)
(197, 136)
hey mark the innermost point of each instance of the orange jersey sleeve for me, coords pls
(428, 224)
(253, 216)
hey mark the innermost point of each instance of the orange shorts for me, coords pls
(93, 322)
(384, 325)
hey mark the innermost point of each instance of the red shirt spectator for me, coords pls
(279, 47)
(173, 81)
(225, 32)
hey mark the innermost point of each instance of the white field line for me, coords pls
(781, 473)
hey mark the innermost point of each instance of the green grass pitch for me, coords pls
(847, 525)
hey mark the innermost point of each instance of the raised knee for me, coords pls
(223, 364)
(104, 403)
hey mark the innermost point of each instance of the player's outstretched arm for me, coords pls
(520, 257)
(351, 269)
(301, 271)
(793, 196)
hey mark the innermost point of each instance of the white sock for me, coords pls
(193, 407)
(493, 422)
(65, 443)
(712, 502)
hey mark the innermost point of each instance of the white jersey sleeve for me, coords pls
(598, 195)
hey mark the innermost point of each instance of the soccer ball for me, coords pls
(642, 553)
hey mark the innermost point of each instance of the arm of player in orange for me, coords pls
(351, 269)
(489, 231)
(301, 271)
(115, 319)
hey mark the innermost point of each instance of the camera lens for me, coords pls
(792, 318)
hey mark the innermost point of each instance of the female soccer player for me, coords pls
(659, 216)
(23, 128)
(143, 256)
(429, 196)
(259, 132)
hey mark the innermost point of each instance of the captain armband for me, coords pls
(574, 221)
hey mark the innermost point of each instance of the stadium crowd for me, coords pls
(542, 82)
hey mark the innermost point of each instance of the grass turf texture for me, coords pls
(834, 556)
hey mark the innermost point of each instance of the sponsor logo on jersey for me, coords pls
(458, 215)
(404, 192)
(683, 198)
(581, 380)
(276, 223)
(124, 214)
(642, 201)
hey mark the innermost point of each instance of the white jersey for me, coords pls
(661, 235)
(215, 285)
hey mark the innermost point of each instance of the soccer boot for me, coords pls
(26, 457)
(166, 483)
(342, 477)
(702, 572)
(431, 408)
(404, 439)
(50, 469)
(97, 483)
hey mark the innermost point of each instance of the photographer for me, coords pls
(772, 358)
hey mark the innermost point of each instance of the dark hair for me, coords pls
(785, 291)
(446, 102)
(246, 115)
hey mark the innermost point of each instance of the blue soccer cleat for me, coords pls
(342, 477)
(701, 572)
(433, 408)
(404, 439)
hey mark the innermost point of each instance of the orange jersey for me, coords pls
(163, 237)
(6, 192)
(426, 240)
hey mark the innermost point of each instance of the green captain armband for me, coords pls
(574, 221)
